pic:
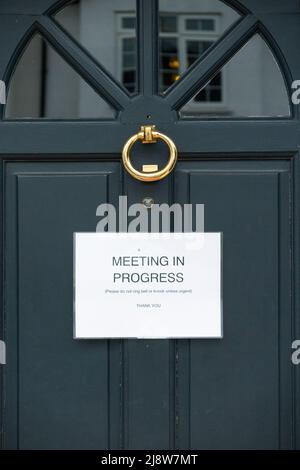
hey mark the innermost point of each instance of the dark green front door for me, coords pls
(232, 393)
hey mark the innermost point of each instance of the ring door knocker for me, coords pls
(149, 173)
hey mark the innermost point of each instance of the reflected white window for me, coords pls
(107, 30)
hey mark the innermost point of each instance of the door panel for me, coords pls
(61, 384)
(237, 384)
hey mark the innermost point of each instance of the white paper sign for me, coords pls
(144, 285)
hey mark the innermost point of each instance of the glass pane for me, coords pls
(200, 24)
(169, 62)
(128, 22)
(195, 48)
(45, 86)
(168, 24)
(191, 27)
(128, 45)
(169, 45)
(106, 29)
(128, 60)
(249, 85)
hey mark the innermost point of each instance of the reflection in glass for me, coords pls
(187, 30)
(45, 86)
(249, 85)
(107, 30)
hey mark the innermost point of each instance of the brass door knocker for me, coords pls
(149, 173)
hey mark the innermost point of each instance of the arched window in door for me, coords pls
(249, 84)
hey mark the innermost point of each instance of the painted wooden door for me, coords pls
(238, 392)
